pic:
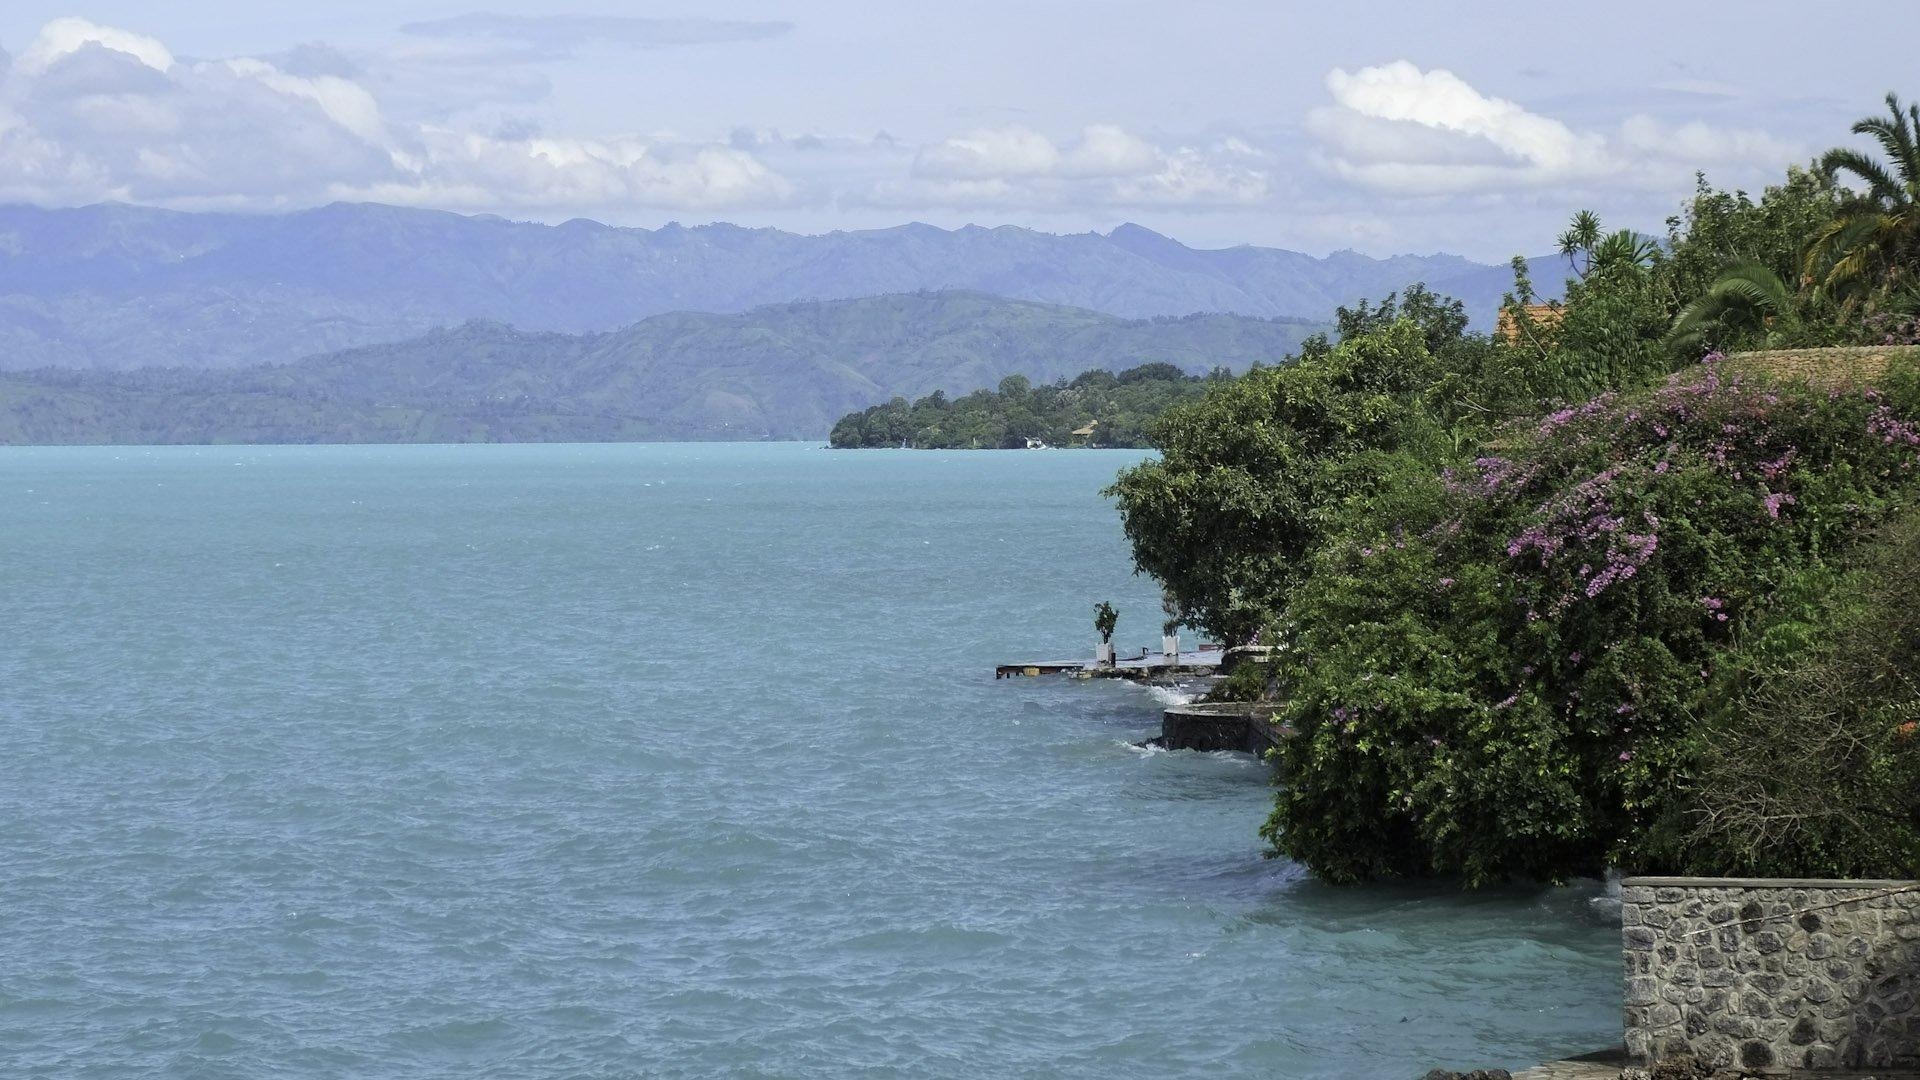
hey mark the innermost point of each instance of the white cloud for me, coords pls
(1193, 177)
(1105, 165)
(1396, 128)
(90, 112)
(468, 171)
(461, 114)
(64, 37)
(989, 153)
(1107, 150)
(1696, 142)
(1439, 99)
(344, 102)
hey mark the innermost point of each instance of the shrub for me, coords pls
(1813, 766)
(1503, 670)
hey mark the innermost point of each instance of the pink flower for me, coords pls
(1626, 755)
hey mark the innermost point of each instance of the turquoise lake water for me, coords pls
(664, 761)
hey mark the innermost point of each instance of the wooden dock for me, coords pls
(1204, 660)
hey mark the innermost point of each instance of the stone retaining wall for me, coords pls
(1773, 974)
(1210, 726)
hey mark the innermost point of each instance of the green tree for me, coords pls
(1228, 515)
(1609, 329)
(1719, 229)
(1873, 245)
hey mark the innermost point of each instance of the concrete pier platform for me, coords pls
(1204, 660)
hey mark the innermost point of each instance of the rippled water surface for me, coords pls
(606, 761)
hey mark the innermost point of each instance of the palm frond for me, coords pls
(1822, 248)
(1745, 293)
(1692, 322)
(1881, 184)
(1896, 136)
(1753, 283)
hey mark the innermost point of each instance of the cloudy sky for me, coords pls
(1386, 127)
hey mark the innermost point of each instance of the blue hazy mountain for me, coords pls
(116, 286)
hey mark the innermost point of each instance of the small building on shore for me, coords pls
(1544, 316)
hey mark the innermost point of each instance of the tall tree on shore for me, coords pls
(1873, 245)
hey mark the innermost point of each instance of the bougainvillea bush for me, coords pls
(1509, 669)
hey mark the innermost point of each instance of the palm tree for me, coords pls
(1747, 294)
(1588, 249)
(1624, 248)
(1874, 242)
(1579, 239)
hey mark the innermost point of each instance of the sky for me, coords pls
(1384, 127)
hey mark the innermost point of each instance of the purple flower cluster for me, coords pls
(1490, 475)
(1597, 407)
(1891, 429)
(1586, 519)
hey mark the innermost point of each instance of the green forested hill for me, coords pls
(1116, 409)
(785, 371)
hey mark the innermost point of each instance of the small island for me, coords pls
(1095, 409)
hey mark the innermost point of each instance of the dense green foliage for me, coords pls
(1118, 407)
(1564, 598)
(776, 372)
(1501, 671)
(1228, 513)
(1811, 766)
(1815, 261)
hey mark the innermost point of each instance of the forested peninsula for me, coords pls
(1095, 409)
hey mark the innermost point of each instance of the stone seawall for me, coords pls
(1211, 726)
(1773, 974)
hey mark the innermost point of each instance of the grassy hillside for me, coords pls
(786, 371)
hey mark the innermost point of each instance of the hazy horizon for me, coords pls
(724, 223)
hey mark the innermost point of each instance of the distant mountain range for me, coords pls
(782, 371)
(120, 287)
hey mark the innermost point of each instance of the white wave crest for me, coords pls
(1173, 695)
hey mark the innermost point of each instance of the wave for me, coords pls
(1181, 694)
